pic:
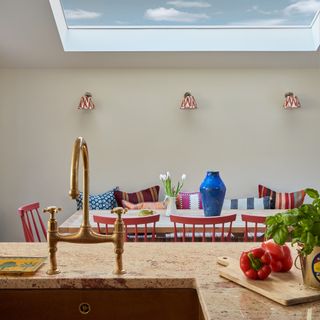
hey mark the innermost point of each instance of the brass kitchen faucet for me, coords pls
(85, 234)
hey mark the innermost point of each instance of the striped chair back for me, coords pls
(32, 224)
(138, 227)
(256, 222)
(217, 227)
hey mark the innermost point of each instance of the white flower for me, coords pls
(170, 189)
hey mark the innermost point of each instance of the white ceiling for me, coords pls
(29, 39)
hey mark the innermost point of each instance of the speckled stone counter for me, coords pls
(156, 265)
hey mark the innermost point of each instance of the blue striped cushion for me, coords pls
(247, 203)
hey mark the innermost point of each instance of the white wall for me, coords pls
(138, 131)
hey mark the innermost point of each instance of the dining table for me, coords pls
(164, 225)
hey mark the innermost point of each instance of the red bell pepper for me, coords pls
(255, 264)
(281, 259)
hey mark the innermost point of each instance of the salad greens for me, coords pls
(302, 224)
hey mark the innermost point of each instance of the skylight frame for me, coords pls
(178, 38)
(190, 27)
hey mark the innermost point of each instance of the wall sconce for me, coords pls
(291, 101)
(86, 102)
(188, 102)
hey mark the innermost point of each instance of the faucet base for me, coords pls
(52, 272)
(119, 272)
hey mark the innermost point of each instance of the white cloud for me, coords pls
(171, 14)
(305, 6)
(258, 10)
(189, 4)
(81, 14)
(121, 22)
(260, 22)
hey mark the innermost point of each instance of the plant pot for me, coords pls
(310, 267)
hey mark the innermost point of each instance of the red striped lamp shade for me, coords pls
(188, 102)
(291, 101)
(86, 102)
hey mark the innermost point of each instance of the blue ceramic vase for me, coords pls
(212, 192)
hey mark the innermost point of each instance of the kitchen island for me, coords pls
(155, 265)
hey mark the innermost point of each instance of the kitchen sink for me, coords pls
(95, 304)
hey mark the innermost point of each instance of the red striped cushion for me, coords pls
(282, 200)
(189, 200)
(147, 195)
(143, 205)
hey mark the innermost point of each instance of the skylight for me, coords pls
(187, 26)
(185, 13)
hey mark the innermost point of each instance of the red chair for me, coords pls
(32, 223)
(256, 221)
(224, 223)
(130, 222)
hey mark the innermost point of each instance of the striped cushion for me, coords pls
(282, 200)
(148, 195)
(247, 203)
(189, 200)
(143, 205)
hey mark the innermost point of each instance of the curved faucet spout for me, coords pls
(80, 145)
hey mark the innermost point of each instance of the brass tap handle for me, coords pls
(119, 211)
(52, 211)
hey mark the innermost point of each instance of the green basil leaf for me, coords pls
(271, 230)
(271, 220)
(280, 236)
(312, 193)
(289, 219)
(310, 239)
(315, 229)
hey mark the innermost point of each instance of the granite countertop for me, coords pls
(156, 265)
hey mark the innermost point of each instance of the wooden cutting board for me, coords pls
(285, 288)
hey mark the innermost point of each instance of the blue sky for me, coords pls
(189, 13)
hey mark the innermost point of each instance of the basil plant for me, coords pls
(301, 224)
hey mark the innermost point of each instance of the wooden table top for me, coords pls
(164, 225)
